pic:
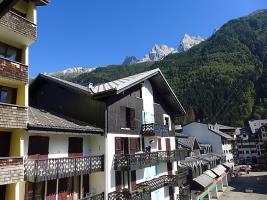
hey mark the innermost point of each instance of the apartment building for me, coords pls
(250, 146)
(18, 28)
(136, 115)
(206, 133)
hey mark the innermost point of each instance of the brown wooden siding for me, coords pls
(74, 104)
(116, 114)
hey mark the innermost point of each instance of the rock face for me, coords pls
(72, 72)
(158, 52)
(129, 60)
(188, 42)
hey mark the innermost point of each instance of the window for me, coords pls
(159, 144)
(8, 95)
(9, 52)
(130, 118)
(167, 120)
(247, 152)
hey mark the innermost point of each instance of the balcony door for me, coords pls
(75, 146)
(121, 146)
(4, 144)
(38, 147)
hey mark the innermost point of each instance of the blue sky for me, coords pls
(101, 32)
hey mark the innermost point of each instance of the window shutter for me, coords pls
(118, 181)
(132, 118)
(123, 117)
(159, 144)
(133, 180)
(132, 146)
(118, 146)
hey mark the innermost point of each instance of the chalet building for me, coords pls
(134, 118)
(221, 143)
(17, 32)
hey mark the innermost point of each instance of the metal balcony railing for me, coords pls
(155, 130)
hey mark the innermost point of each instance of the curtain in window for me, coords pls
(147, 118)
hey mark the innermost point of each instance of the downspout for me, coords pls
(106, 153)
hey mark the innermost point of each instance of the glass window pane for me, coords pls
(11, 54)
(3, 96)
(2, 50)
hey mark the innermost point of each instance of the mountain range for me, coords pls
(158, 52)
(222, 79)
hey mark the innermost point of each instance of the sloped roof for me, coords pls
(64, 83)
(204, 180)
(123, 83)
(187, 142)
(42, 120)
(219, 170)
(155, 76)
(224, 135)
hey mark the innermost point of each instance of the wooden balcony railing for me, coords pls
(37, 170)
(13, 116)
(126, 162)
(13, 70)
(19, 25)
(182, 177)
(155, 130)
(157, 183)
(11, 170)
(100, 196)
(140, 194)
(144, 189)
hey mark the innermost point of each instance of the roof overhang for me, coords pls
(40, 2)
(6, 5)
(55, 131)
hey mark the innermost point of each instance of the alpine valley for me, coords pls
(222, 79)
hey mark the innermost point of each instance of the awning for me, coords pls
(219, 170)
(210, 173)
(203, 180)
(228, 165)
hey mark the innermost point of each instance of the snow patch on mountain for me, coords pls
(158, 52)
(72, 72)
(188, 42)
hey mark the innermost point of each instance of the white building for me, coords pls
(136, 115)
(255, 125)
(205, 133)
(250, 146)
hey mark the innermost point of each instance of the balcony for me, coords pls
(11, 170)
(100, 196)
(37, 170)
(157, 183)
(13, 116)
(13, 71)
(127, 162)
(140, 194)
(19, 28)
(182, 177)
(155, 130)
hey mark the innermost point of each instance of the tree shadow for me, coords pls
(256, 183)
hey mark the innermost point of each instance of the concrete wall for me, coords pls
(203, 135)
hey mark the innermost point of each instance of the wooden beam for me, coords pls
(6, 5)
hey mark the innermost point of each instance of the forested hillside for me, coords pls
(223, 79)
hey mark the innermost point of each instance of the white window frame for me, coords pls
(170, 124)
